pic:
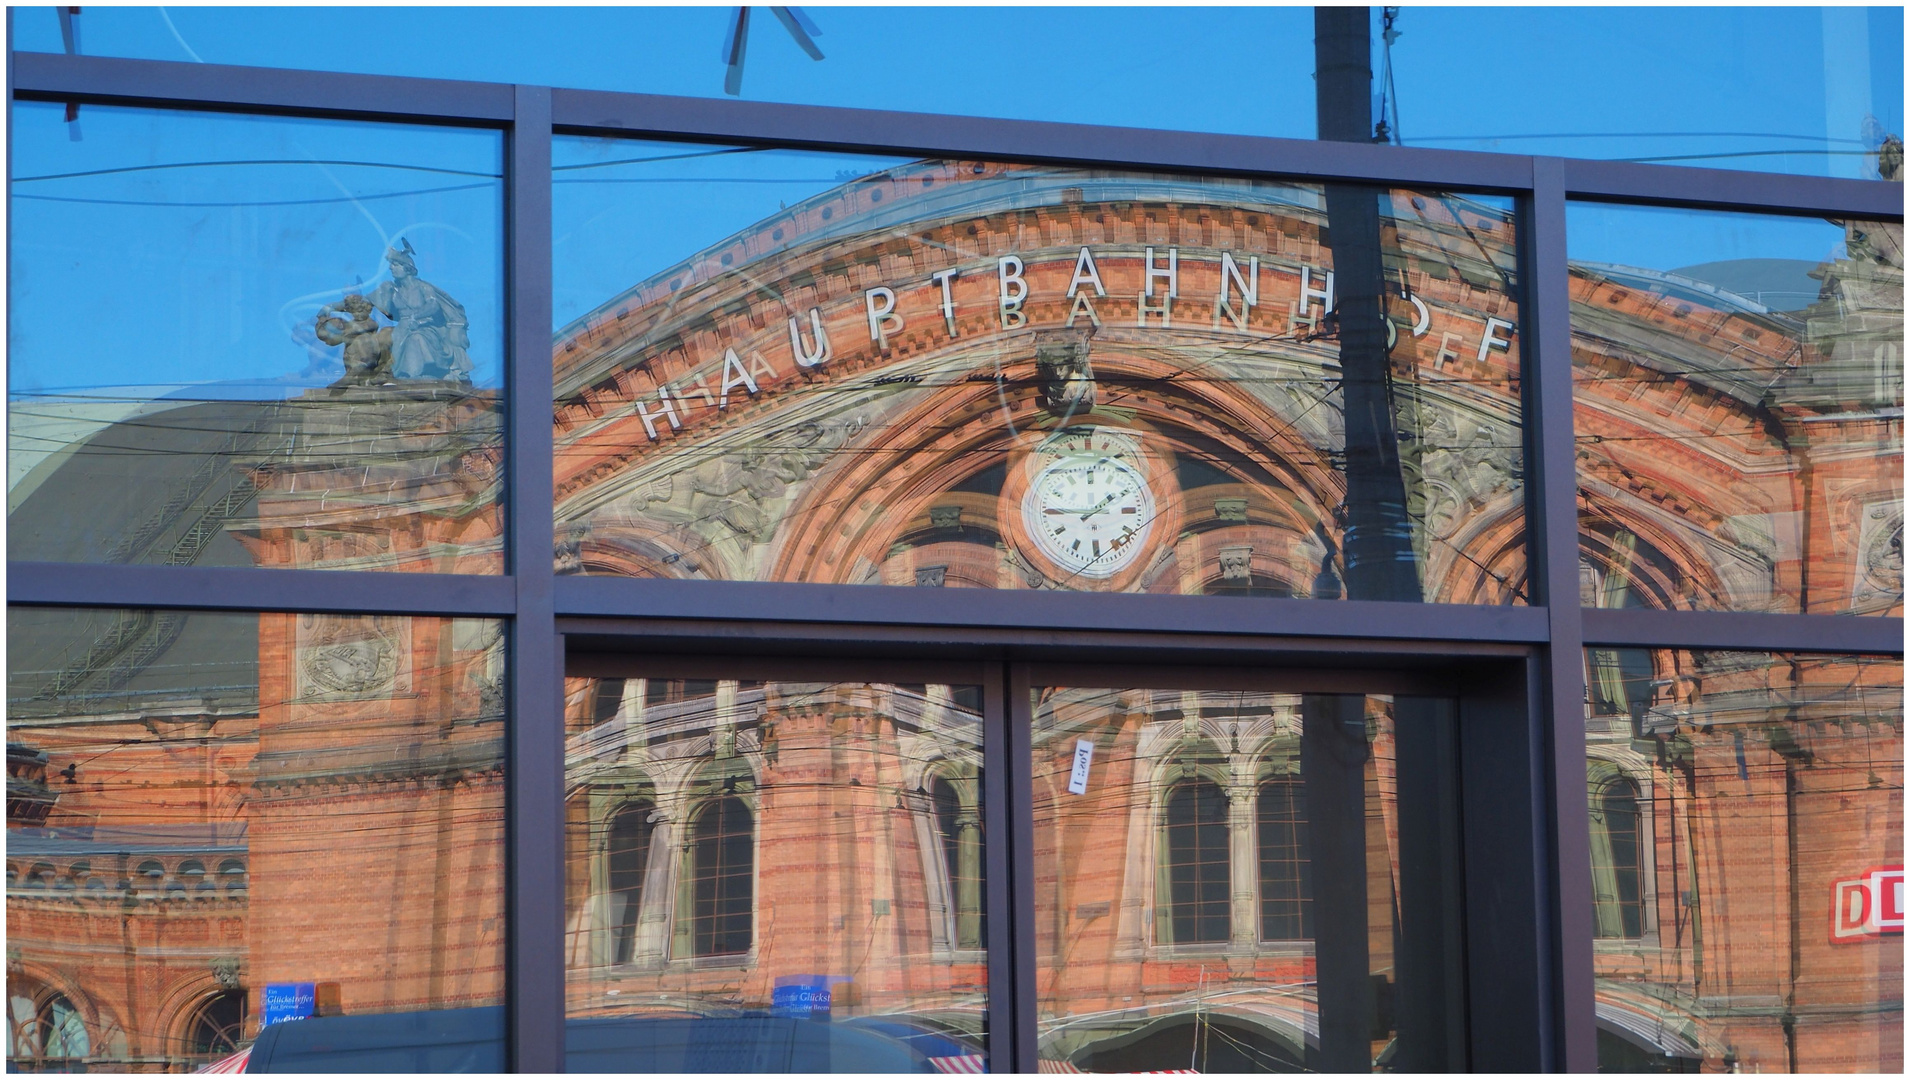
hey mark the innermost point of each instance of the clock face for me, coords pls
(1089, 512)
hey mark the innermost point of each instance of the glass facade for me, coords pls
(970, 374)
(1738, 387)
(293, 328)
(991, 596)
(1220, 878)
(774, 876)
(217, 822)
(1747, 860)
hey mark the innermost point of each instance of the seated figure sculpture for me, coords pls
(430, 334)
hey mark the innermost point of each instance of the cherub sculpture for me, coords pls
(367, 345)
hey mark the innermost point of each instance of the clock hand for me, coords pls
(1100, 506)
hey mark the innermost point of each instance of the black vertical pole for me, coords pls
(534, 809)
(1343, 73)
(1333, 766)
(1378, 545)
(998, 830)
(1429, 943)
(1021, 834)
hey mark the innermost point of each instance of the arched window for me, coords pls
(959, 825)
(608, 700)
(1199, 866)
(1286, 872)
(723, 878)
(1617, 859)
(218, 1028)
(628, 853)
(232, 873)
(46, 1033)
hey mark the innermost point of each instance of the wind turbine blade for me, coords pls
(803, 20)
(799, 27)
(734, 50)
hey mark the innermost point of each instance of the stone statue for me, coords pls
(1065, 377)
(367, 345)
(430, 334)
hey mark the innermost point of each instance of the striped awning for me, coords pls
(960, 1063)
(233, 1064)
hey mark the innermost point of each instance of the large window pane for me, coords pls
(1738, 390)
(1810, 90)
(216, 822)
(786, 366)
(1747, 860)
(1245, 882)
(244, 341)
(774, 877)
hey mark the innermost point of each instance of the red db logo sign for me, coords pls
(1867, 906)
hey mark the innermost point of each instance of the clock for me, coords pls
(1089, 508)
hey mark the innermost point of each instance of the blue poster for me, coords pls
(288, 1001)
(801, 995)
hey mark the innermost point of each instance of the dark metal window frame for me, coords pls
(1538, 650)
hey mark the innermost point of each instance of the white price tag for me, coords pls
(1083, 758)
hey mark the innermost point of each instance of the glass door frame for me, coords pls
(1506, 966)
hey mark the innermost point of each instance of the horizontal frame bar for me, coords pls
(210, 588)
(759, 638)
(1043, 610)
(690, 609)
(166, 83)
(1647, 628)
(1677, 185)
(54, 76)
(596, 665)
(1313, 679)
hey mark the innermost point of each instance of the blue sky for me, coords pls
(158, 269)
(1599, 82)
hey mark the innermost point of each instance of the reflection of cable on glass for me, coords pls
(176, 36)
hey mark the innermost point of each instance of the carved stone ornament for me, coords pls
(1880, 554)
(1236, 563)
(1061, 366)
(931, 577)
(352, 657)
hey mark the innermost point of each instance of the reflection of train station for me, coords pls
(754, 427)
(1189, 777)
(185, 831)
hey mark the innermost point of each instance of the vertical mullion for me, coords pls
(534, 971)
(1572, 1038)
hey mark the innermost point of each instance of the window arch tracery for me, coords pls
(1618, 856)
(721, 878)
(627, 840)
(1286, 885)
(1197, 871)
